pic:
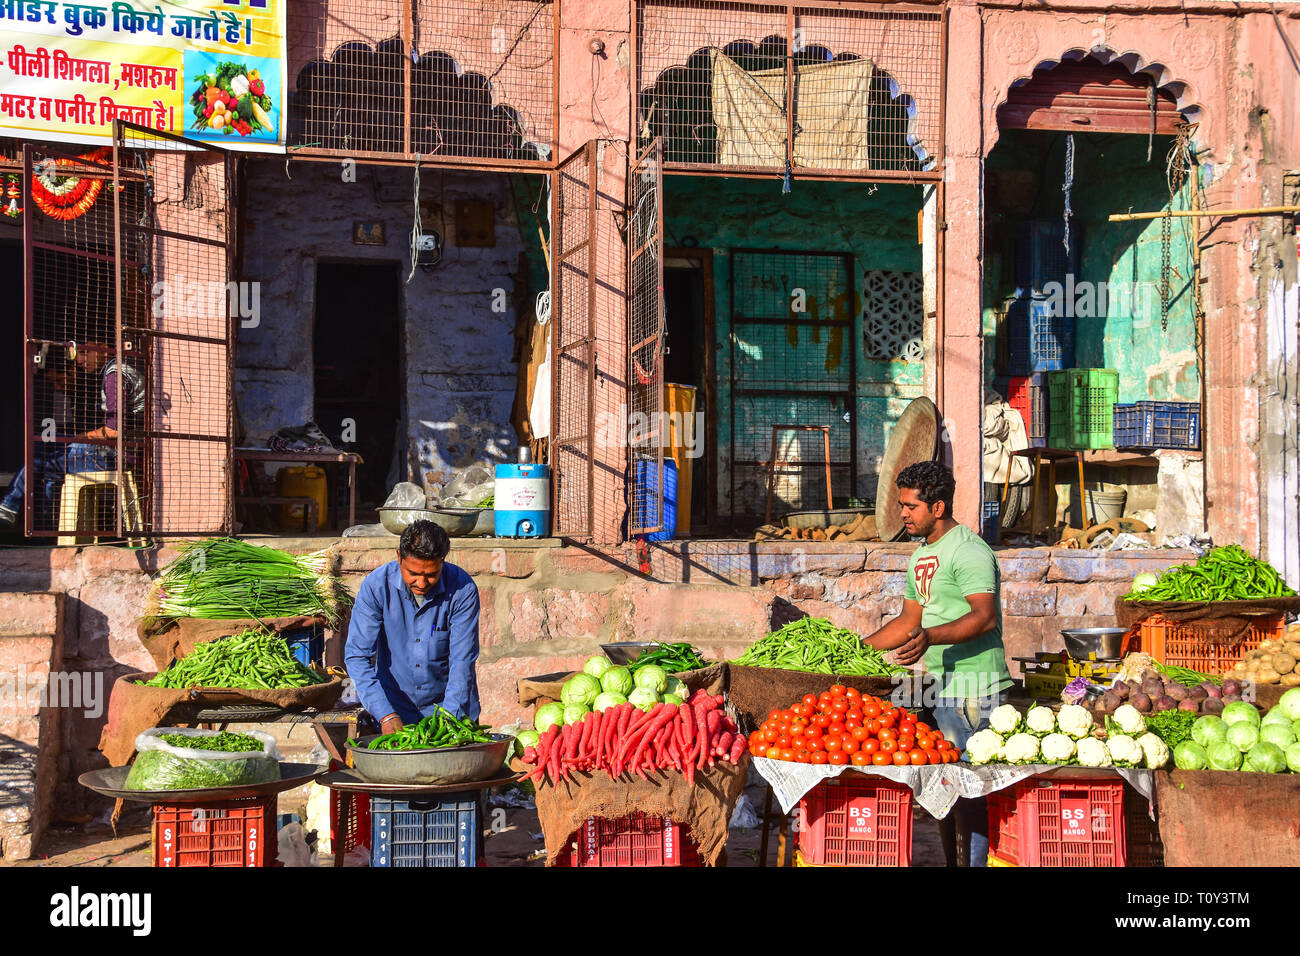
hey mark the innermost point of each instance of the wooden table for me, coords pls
(338, 458)
(1051, 456)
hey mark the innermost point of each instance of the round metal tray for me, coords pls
(111, 782)
(434, 765)
(349, 781)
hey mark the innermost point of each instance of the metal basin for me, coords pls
(440, 765)
(486, 521)
(625, 652)
(455, 521)
(1094, 643)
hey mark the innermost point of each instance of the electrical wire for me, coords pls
(417, 227)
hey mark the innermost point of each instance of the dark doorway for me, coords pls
(13, 370)
(359, 367)
(688, 314)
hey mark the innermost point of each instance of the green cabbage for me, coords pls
(1243, 735)
(1293, 758)
(1143, 581)
(1240, 711)
(1276, 716)
(528, 738)
(617, 680)
(1223, 756)
(1208, 730)
(1189, 755)
(643, 698)
(607, 700)
(1265, 758)
(1290, 703)
(1279, 734)
(573, 713)
(677, 688)
(673, 699)
(652, 677)
(580, 689)
(547, 716)
(596, 666)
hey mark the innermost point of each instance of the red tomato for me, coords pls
(924, 727)
(941, 745)
(907, 727)
(824, 701)
(870, 745)
(783, 741)
(838, 759)
(822, 720)
(870, 709)
(852, 724)
(872, 726)
(833, 744)
(773, 715)
(787, 753)
(918, 758)
(852, 693)
(838, 690)
(933, 756)
(860, 759)
(770, 735)
(904, 715)
(850, 746)
(839, 706)
(819, 757)
(887, 719)
(859, 733)
(906, 742)
(888, 746)
(816, 744)
(802, 757)
(901, 759)
(881, 760)
(758, 748)
(810, 700)
(854, 713)
(887, 733)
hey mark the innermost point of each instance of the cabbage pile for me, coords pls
(1239, 739)
(602, 685)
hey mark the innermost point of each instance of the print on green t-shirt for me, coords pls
(939, 577)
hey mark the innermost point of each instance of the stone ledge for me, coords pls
(31, 613)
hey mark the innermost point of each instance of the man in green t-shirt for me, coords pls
(952, 619)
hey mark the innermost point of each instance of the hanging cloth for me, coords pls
(1069, 185)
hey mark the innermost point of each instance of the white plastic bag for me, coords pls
(293, 849)
(405, 494)
(164, 766)
(468, 488)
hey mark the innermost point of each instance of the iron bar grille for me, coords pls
(645, 339)
(860, 93)
(452, 80)
(791, 362)
(178, 308)
(573, 408)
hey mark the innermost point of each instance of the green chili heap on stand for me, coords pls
(442, 728)
(816, 645)
(1227, 573)
(250, 660)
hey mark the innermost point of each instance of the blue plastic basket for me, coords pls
(991, 522)
(406, 833)
(651, 509)
(1040, 256)
(1038, 340)
(1158, 425)
(307, 644)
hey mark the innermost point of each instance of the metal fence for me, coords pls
(825, 89)
(645, 341)
(457, 81)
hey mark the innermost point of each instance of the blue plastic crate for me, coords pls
(307, 644)
(1038, 339)
(991, 522)
(1040, 256)
(406, 833)
(651, 509)
(1158, 425)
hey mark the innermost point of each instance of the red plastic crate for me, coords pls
(856, 820)
(354, 831)
(1182, 645)
(1059, 822)
(640, 839)
(230, 833)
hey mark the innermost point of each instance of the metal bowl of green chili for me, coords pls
(461, 764)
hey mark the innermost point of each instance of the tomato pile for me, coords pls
(843, 727)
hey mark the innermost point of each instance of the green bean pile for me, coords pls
(224, 742)
(816, 645)
(251, 660)
(442, 728)
(673, 658)
(1227, 573)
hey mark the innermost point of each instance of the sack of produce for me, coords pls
(173, 758)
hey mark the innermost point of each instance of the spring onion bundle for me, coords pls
(249, 660)
(223, 578)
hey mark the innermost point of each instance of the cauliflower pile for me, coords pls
(1075, 721)
(1004, 720)
(985, 746)
(1066, 737)
(1040, 721)
(1022, 749)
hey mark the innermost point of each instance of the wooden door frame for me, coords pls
(704, 258)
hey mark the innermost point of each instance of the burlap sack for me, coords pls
(133, 707)
(1216, 622)
(546, 688)
(752, 692)
(168, 640)
(705, 808)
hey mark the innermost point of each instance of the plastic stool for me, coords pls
(70, 498)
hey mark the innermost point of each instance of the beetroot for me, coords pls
(1141, 702)
(1188, 705)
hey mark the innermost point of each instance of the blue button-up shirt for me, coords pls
(404, 658)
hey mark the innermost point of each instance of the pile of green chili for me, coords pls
(253, 659)
(1226, 573)
(223, 578)
(673, 658)
(816, 645)
(442, 728)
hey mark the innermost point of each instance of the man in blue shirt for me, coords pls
(413, 638)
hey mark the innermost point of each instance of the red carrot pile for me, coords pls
(623, 739)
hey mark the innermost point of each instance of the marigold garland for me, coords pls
(68, 197)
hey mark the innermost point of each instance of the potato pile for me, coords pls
(1274, 662)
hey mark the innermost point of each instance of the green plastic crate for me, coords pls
(1081, 407)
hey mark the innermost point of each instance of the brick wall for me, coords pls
(547, 608)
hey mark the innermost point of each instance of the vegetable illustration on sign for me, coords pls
(231, 100)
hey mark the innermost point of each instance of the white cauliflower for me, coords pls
(985, 747)
(1005, 720)
(1057, 748)
(1075, 721)
(1022, 748)
(1130, 720)
(239, 86)
(1040, 721)
(1155, 750)
(1092, 753)
(1124, 750)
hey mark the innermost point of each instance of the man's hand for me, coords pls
(390, 724)
(909, 652)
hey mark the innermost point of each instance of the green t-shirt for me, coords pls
(939, 578)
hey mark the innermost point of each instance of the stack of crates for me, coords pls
(1040, 328)
(1081, 407)
(1158, 425)
(1027, 394)
(640, 839)
(418, 833)
(856, 820)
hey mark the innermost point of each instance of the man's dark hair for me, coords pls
(931, 480)
(424, 540)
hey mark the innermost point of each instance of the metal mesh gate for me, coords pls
(646, 433)
(127, 339)
(792, 362)
(859, 95)
(573, 406)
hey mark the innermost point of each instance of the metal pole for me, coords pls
(1206, 213)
